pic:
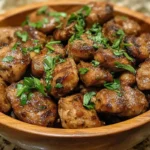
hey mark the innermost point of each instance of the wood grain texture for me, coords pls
(118, 136)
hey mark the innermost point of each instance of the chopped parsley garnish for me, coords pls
(38, 24)
(128, 57)
(126, 67)
(84, 12)
(117, 43)
(58, 85)
(95, 34)
(57, 15)
(22, 35)
(36, 48)
(24, 90)
(83, 70)
(87, 100)
(127, 44)
(23, 99)
(8, 59)
(79, 19)
(49, 65)
(15, 46)
(26, 22)
(61, 60)
(50, 44)
(115, 86)
(95, 63)
(42, 10)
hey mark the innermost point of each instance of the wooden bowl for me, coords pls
(120, 136)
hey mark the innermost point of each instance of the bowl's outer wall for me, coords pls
(119, 141)
(128, 133)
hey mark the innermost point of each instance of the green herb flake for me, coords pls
(83, 70)
(85, 10)
(30, 95)
(28, 81)
(24, 50)
(118, 52)
(126, 67)
(21, 89)
(15, 46)
(95, 34)
(115, 86)
(35, 41)
(87, 100)
(116, 43)
(49, 65)
(95, 63)
(120, 32)
(22, 35)
(50, 44)
(128, 57)
(58, 15)
(58, 85)
(24, 90)
(23, 99)
(42, 10)
(61, 60)
(26, 22)
(38, 24)
(39, 86)
(35, 49)
(127, 44)
(8, 59)
(79, 19)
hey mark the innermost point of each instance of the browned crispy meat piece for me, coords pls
(65, 74)
(4, 103)
(135, 102)
(35, 41)
(65, 32)
(13, 63)
(37, 66)
(100, 13)
(39, 110)
(129, 26)
(81, 49)
(34, 38)
(130, 103)
(7, 35)
(143, 75)
(110, 29)
(57, 48)
(128, 79)
(139, 47)
(73, 115)
(109, 101)
(108, 60)
(48, 20)
(95, 76)
(35, 34)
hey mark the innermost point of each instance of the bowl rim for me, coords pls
(9, 122)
